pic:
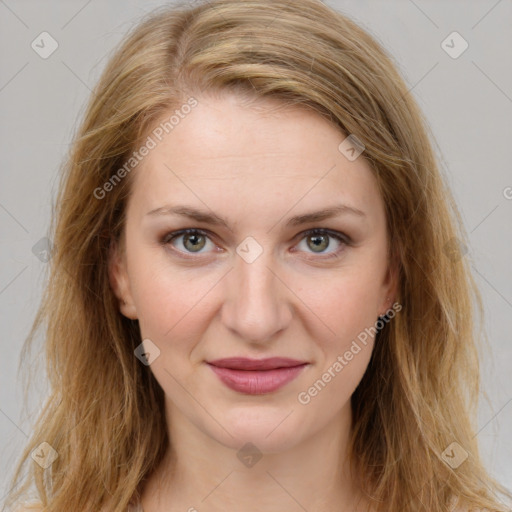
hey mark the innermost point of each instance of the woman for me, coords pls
(257, 299)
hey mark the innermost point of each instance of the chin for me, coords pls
(270, 430)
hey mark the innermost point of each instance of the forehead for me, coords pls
(228, 149)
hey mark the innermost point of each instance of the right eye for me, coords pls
(192, 239)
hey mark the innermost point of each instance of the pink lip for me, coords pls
(256, 376)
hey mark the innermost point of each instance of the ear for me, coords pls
(390, 284)
(119, 280)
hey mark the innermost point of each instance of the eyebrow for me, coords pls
(215, 220)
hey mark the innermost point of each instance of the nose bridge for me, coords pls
(256, 304)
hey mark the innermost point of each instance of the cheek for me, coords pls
(171, 303)
(345, 304)
(345, 301)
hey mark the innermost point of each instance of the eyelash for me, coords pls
(340, 237)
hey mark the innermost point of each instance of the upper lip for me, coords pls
(243, 363)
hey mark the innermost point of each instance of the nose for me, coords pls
(257, 303)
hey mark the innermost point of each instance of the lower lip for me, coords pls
(256, 382)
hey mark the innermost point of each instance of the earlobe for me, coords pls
(120, 283)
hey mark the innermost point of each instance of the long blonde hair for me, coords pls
(105, 413)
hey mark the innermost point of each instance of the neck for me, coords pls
(201, 474)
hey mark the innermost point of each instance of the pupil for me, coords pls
(317, 241)
(195, 244)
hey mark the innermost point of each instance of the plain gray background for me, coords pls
(467, 101)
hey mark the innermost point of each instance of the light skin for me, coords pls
(305, 297)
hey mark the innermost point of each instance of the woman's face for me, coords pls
(251, 282)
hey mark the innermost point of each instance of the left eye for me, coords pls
(318, 240)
